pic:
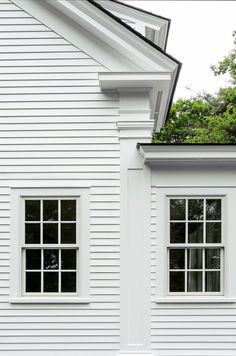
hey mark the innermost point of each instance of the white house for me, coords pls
(109, 245)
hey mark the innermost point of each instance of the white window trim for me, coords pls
(18, 195)
(162, 206)
(201, 246)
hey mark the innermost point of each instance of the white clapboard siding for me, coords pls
(187, 329)
(57, 128)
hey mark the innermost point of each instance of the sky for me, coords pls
(200, 35)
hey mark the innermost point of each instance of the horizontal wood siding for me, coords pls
(188, 329)
(57, 128)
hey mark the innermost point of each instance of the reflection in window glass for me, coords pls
(68, 210)
(195, 209)
(213, 209)
(213, 232)
(195, 251)
(32, 233)
(177, 209)
(177, 282)
(195, 233)
(177, 232)
(50, 222)
(50, 210)
(177, 259)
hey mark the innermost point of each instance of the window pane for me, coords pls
(177, 259)
(212, 281)
(33, 282)
(194, 282)
(68, 210)
(212, 258)
(50, 210)
(33, 259)
(213, 233)
(68, 259)
(50, 284)
(177, 209)
(213, 209)
(50, 259)
(177, 233)
(195, 232)
(32, 210)
(50, 233)
(177, 281)
(32, 233)
(68, 233)
(195, 209)
(68, 282)
(195, 258)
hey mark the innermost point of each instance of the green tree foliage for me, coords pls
(205, 118)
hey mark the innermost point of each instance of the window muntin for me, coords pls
(195, 249)
(50, 249)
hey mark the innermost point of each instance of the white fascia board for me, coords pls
(187, 154)
(159, 25)
(117, 80)
(122, 42)
(115, 35)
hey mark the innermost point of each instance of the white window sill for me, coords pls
(221, 299)
(43, 300)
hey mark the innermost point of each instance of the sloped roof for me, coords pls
(121, 48)
(179, 64)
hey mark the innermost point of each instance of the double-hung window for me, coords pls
(195, 249)
(50, 249)
(50, 245)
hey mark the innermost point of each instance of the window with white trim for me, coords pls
(49, 245)
(195, 248)
(50, 248)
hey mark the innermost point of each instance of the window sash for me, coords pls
(45, 246)
(189, 245)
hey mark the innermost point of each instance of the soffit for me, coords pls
(152, 26)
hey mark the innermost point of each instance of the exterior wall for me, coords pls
(58, 130)
(194, 329)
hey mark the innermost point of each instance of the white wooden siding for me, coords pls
(57, 128)
(188, 329)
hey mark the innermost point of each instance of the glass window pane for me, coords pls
(195, 233)
(32, 210)
(33, 259)
(194, 283)
(177, 281)
(212, 281)
(177, 259)
(68, 233)
(68, 282)
(68, 259)
(195, 258)
(50, 259)
(177, 209)
(195, 209)
(213, 232)
(50, 282)
(33, 282)
(50, 210)
(212, 258)
(32, 233)
(50, 233)
(68, 210)
(177, 233)
(213, 209)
